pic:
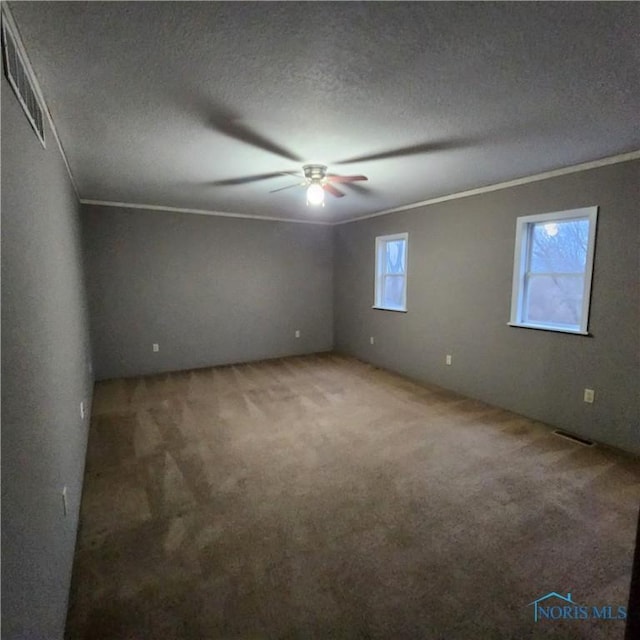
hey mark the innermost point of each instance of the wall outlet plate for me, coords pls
(156, 347)
(372, 340)
(297, 333)
(589, 395)
(447, 359)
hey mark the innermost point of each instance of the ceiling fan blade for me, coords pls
(332, 190)
(295, 174)
(248, 179)
(297, 184)
(228, 124)
(332, 177)
(358, 188)
(411, 150)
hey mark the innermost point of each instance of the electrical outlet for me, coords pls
(297, 333)
(589, 395)
(156, 347)
(372, 340)
(82, 409)
(65, 509)
(447, 359)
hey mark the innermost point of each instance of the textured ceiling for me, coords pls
(156, 101)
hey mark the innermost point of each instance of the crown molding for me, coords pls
(585, 166)
(203, 212)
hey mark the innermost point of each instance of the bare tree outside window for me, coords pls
(391, 272)
(393, 286)
(555, 278)
(553, 265)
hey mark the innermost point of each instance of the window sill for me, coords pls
(389, 309)
(541, 327)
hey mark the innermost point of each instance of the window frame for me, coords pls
(522, 258)
(380, 274)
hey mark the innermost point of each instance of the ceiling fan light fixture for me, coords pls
(315, 194)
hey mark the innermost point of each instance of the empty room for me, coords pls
(320, 320)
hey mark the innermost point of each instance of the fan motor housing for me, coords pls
(315, 172)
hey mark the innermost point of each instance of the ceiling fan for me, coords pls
(315, 176)
(317, 181)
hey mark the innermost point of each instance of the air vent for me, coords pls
(15, 70)
(570, 436)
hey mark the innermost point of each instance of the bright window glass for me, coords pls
(552, 270)
(391, 272)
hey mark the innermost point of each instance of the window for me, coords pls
(391, 272)
(552, 270)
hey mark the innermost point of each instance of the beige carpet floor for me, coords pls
(320, 497)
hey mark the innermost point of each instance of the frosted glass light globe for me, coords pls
(315, 194)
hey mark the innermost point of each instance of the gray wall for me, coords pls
(45, 375)
(209, 290)
(459, 295)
